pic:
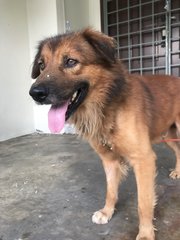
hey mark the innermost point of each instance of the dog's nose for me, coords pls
(39, 93)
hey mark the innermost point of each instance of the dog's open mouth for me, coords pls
(59, 114)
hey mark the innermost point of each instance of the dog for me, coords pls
(120, 114)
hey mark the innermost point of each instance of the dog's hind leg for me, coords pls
(174, 132)
(114, 170)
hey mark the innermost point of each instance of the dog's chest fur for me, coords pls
(92, 124)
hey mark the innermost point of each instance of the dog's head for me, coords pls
(67, 68)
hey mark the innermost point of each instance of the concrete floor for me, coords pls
(50, 185)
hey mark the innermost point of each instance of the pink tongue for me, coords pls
(56, 118)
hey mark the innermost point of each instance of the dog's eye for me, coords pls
(70, 63)
(41, 65)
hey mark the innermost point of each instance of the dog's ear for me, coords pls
(35, 69)
(104, 45)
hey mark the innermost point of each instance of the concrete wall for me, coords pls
(16, 108)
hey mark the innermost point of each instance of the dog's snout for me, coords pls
(39, 93)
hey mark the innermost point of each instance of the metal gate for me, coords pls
(147, 34)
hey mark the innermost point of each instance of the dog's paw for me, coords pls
(142, 237)
(174, 174)
(146, 233)
(100, 217)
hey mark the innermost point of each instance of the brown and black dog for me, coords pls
(120, 114)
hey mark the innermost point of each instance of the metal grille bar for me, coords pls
(147, 34)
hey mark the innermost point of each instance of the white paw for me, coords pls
(174, 174)
(144, 237)
(100, 218)
(146, 233)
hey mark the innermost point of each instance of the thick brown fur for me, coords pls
(121, 116)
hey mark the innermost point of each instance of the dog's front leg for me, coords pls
(114, 170)
(145, 172)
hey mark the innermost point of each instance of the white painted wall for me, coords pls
(77, 13)
(16, 108)
(83, 13)
(95, 14)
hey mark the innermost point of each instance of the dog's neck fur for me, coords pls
(89, 122)
(92, 120)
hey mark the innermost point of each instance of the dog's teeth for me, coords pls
(74, 96)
